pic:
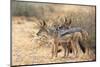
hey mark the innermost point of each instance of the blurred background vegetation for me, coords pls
(82, 16)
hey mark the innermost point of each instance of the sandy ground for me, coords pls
(25, 48)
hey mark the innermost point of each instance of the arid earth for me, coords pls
(26, 47)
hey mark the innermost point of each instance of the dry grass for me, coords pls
(25, 47)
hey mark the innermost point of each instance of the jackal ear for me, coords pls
(65, 20)
(70, 21)
(44, 23)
